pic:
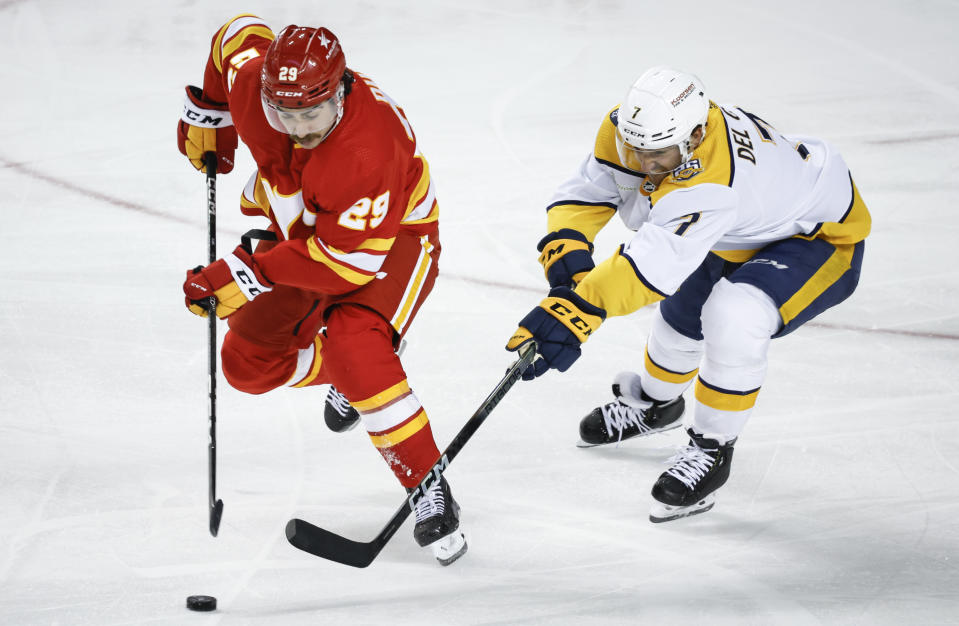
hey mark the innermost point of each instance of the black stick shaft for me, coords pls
(216, 506)
(328, 545)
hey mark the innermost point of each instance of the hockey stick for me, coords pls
(328, 545)
(216, 506)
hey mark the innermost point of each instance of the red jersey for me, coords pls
(339, 206)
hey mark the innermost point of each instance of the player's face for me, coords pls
(651, 162)
(309, 127)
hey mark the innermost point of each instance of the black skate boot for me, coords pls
(617, 420)
(438, 522)
(687, 488)
(339, 414)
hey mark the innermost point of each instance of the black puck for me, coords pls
(201, 603)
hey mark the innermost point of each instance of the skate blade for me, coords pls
(449, 548)
(585, 444)
(660, 512)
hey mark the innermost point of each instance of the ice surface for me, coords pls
(843, 503)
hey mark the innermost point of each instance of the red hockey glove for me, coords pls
(560, 325)
(233, 280)
(206, 126)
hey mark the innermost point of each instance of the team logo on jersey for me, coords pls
(687, 170)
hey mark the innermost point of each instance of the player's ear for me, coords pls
(696, 137)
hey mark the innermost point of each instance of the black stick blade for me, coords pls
(333, 547)
(216, 513)
(330, 546)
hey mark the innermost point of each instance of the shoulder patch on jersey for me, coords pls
(711, 163)
(687, 170)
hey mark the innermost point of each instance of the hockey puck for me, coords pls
(201, 603)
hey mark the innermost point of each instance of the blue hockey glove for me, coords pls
(560, 324)
(566, 257)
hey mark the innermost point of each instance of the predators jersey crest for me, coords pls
(688, 170)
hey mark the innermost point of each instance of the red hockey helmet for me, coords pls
(302, 84)
(302, 68)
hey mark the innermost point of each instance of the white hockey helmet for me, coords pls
(661, 109)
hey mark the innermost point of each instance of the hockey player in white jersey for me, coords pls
(742, 234)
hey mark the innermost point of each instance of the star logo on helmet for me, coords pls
(324, 41)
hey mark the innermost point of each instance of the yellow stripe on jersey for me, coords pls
(714, 155)
(835, 266)
(346, 273)
(401, 434)
(383, 398)
(422, 186)
(236, 42)
(724, 399)
(605, 147)
(317, 363)
(735, 256)
(415, 286)
(588, 219)
(852, 227)
(668, 376)
(217, 51)
(376, 244)
(260, 200)
(246, 204)
(616, 286)
(432, 216)
(422, 196)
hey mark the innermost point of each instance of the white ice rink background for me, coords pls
(843, 502)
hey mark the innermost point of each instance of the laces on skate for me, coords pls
(432, 504)
(691, 464)
(620, 416)
(338, 401)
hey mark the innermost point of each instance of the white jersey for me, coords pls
(745, 186)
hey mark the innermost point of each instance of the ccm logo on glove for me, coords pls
(575, 323)
(232, 281)
(566, 257)
(206, 126)
(203, 118)
(559, 325)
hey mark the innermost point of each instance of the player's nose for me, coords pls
(645, 162)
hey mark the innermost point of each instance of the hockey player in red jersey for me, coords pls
(350, 200)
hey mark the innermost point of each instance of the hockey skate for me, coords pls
(339, 414)
(437, 524)
(618, 420)
(688, 487)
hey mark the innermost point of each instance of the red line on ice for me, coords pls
(140, 208)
